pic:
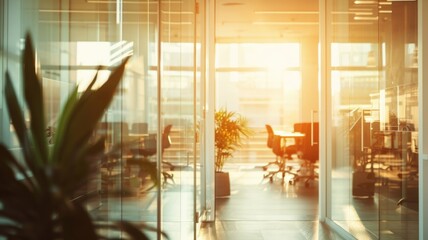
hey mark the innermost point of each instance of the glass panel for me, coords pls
(16, 20)
(178, 106)
(72, 38)
(199, 105)
(104, 33)
(374, 119)
(398, 118)
(135, 32)
(354, 76)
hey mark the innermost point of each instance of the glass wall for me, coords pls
(73, 38)
(372, 78)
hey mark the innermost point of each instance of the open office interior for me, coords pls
(328, 98)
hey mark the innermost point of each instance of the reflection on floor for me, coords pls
(139, 206)
(378, 217)
(260, 210)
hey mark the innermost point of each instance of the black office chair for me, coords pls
(114, 134)
(269, 144)
(140, 128)
(144, 149)
(282, 154)
(308, 150)
(166, 143)
(147, 148)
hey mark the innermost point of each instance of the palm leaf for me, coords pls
(60, 136)
(87, 112)
(77, 224)
(8, 176)
(34, 99)
(11, 162)
(18, 123)
(78, 172)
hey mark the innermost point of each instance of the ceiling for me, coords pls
(266, 20)
(236, 20)
(291, 20)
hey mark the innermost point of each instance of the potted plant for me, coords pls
(230, 128)
(36, 192)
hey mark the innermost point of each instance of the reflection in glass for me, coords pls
(374, 120)
(74, 39)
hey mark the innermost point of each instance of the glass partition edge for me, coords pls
(423, 130)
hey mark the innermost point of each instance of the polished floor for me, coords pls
(262, 210)
(258, 209)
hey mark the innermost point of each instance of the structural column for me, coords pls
(310, 84)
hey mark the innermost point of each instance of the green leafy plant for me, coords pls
(230, 127)
(38, 205)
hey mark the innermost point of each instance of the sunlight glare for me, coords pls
(276, 57)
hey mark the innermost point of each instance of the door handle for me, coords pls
(313, 112)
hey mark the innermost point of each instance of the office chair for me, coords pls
(148, 148)
(281, 152)
(114, 134)
(308, 150)
(166, 143)
(269, 144)
(145, 149)
(310, 154)
(140, 127)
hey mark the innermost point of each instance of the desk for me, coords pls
(285, 135)
(137, 136)
(289, 135)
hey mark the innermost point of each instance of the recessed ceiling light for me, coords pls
(365, 2)
(285, 12)
(284, 23)
(363, 13)
(366, 18)
(233, 4)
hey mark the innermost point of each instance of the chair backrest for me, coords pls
(311, 153)
(270, 135)
(150, 142)
(140, 127)
(277, 148)
(166, 139)
(309, 144)
(147, 147)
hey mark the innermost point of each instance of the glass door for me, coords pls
(372, 89)
(178, 102)
(160, 87)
